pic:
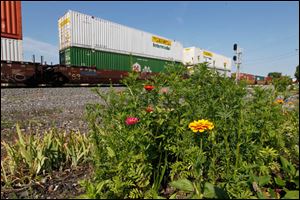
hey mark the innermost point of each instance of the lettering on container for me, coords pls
(161, 46)
(147, 69)
(64, 22)
(206, 53)
(136, 67)
(161, 41)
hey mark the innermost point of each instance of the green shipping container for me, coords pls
(77, 56)
(259, 78)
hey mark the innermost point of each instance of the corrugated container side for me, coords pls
(11, 19)
(194, 55)
(11, 49)
(109, 61)
(188, 56)
(86, 31)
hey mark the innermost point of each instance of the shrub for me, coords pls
(203, 134)
(281, 83)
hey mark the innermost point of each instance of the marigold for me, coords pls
(279, 101)
(131, 120)
(149, 87)
(201, 125)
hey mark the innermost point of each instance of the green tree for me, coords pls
(275, 74)
(297, 73)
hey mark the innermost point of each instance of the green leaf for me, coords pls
(211, 191)
(272, 193)
(293, 194)
(183, 184)
(110, 152)
(279, 181)
(173, 196)
(263, 180)
(296, 181)
(261, 195)
(284, 163)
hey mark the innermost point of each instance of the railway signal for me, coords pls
(237, 59)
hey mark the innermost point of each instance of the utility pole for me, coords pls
(238, 60)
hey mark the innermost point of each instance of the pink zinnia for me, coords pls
(164, 90)
(131, 120)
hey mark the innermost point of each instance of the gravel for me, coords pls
(44, 108)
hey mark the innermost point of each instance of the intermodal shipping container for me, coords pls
(194, 55)
(11, 49)
(260, 80)
(104, 60)
(11, 20)
(89, 32)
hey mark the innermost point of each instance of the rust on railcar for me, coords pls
(17, 72)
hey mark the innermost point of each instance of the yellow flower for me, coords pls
(201, 125)
(279, 101)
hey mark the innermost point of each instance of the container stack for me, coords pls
(90, 41)
(193, 56)
(11, 31)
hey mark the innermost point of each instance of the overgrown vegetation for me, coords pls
(33, 155)
(146, 147)
(180, 134)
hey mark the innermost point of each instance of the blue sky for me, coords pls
(268, 32)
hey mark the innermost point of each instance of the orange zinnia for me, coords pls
(279, 101)
(201, 125)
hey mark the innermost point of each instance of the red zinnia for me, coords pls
(149, 87)
(131, 120)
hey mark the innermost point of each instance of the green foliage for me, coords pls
(281, 83)
(33, 154)
(275, 74)
(297, 73)
(251, 133)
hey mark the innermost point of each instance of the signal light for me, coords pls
(235, 47)
(234, 58)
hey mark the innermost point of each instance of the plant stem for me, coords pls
(237, 153)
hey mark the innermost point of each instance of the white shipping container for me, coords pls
(194, 55)
(80, 30)
(11, 49)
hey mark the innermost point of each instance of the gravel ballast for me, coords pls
(44, 108)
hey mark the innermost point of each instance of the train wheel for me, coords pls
(31, 82)
(58, 80)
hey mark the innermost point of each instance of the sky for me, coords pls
(267, 32)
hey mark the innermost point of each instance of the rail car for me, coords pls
(33, 74)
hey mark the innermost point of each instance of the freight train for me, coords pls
(94, 51)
